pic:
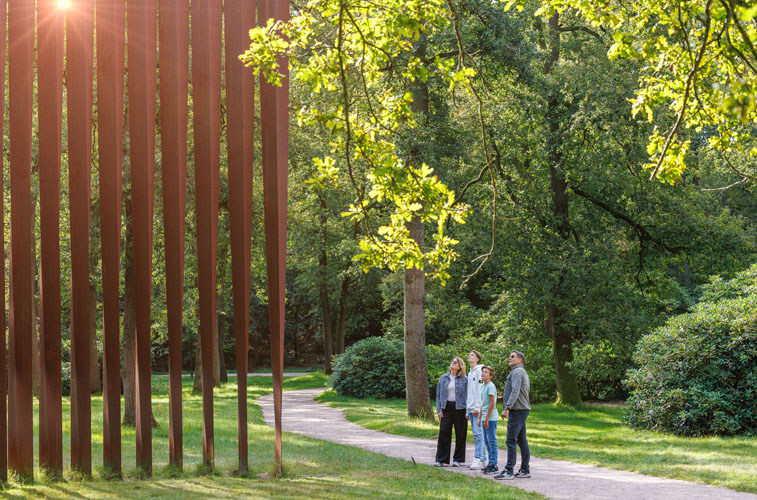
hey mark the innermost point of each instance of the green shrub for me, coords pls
(697, 374)
(374, 367)
(370, 368)
(600, 369)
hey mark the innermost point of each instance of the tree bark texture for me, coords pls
(328, 342)
(341, 322)
(128, 334)
(556, 328)
(416, 373)
(95, 383)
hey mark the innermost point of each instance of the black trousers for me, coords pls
(450, 417)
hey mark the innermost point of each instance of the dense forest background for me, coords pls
(569, 252)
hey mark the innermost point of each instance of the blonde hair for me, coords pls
(460, 367)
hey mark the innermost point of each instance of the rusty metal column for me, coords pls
(274, 120)
(21, 61)
(239, 17)
(49, 96)
(110, 97)
(142, 15)
(79, 97)
(206, 85)
(3, 359)
(174, 68)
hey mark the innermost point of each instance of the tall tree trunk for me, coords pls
(128, 333)
(224, 250)
(341, 322)
(129, 327)
(95, 379)
(219, 366)
(328, 342)
(36, 366)
(95, 384)
(556, 328)
(197, 384)
(416, 371)
(567, 385)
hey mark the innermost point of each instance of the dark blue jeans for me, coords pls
(516, 436)
(490, 440)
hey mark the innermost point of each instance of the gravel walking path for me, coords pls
(552, 478)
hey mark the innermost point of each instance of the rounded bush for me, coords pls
(375, 367)
(371, 368)
(697, 374)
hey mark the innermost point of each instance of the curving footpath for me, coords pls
(552, 478)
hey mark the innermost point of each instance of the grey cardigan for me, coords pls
(516, 395)
(461, 392)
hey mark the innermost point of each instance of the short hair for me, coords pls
(520, 355)
(460, 367)
(489, 369)
(478, 354)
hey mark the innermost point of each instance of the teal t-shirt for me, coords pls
(486, 391)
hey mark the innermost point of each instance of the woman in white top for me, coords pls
(451, 401)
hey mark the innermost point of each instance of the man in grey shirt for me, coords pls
(515, 398)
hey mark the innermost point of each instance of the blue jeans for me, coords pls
(478, 437)
(516, 436)
(490, 438)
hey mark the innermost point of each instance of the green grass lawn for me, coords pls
(592, 435)
(313, 469)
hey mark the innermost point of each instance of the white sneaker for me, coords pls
(476, 464)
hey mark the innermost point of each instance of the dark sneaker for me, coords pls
(522, 474)
(490, 469)
(505, 475)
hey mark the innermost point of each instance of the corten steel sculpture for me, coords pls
(110, 98)
(20, 76)
(49, 97)
(3, 360)
(79, 56)
(274, 123)
(143, 44)
(239, 15)
(174, 68)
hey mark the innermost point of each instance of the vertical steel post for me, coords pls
(174, 67)
(206, 85)
(274, 121)
(49, 96)
(239, 17)
(21, 61)
(142, 15)
(3, 359)
(79, 98)
(110, 89)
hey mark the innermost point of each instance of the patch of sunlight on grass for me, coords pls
(315, 470)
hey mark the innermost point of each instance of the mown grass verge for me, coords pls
(593, 434)
(312, 469)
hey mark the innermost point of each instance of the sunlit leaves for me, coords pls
(358, 56)
(699, 66)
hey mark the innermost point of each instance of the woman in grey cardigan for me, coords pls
(451, 398)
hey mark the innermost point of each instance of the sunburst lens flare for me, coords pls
(63, 4)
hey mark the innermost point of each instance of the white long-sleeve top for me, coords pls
(475, 384)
